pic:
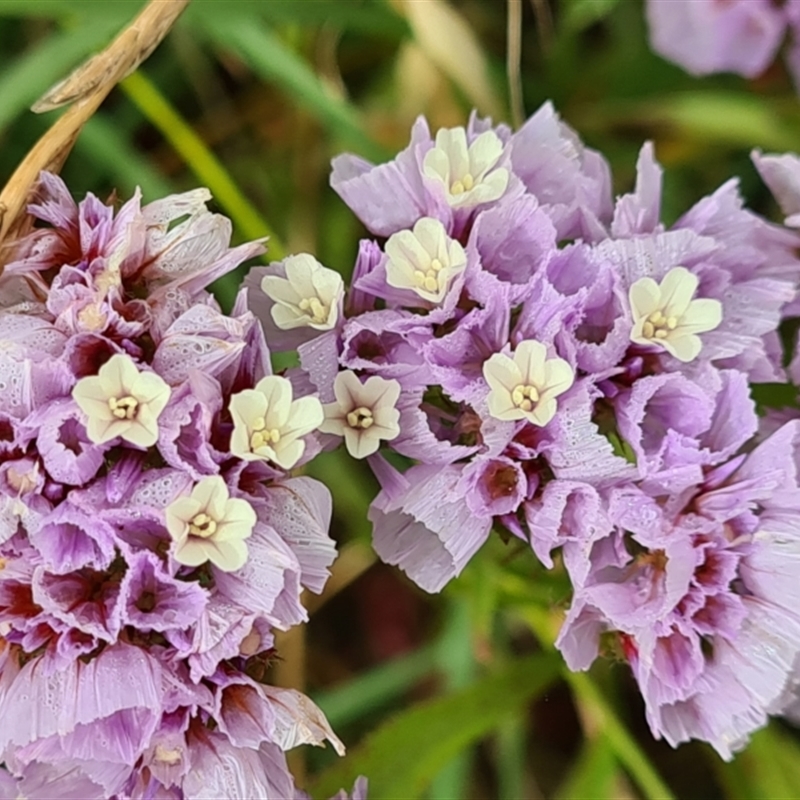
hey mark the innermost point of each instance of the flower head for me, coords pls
(268, 424)
(665, 314)
(309, 295)
(121, 401)
(526, 386)
(424, 260)
(469, 173)
(209, 525)
(364, 413)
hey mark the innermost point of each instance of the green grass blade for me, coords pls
(201, 160)
(769, 768)
(595, 705)
(593, 775)
(102, 143)
(403, 755)
(376, 688)
(456, 661)
(248, 37)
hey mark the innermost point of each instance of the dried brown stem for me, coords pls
(86, 88)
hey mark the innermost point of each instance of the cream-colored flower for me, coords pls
(308, 296)
(665, 314)
(210, 525)
(268, 424)
(364, 413)
(526, 386)
(468, 173)
(424, 260)
(121, 401)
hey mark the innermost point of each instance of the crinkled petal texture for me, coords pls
(706, 36)
(219, 769)
(421, 523)
(104, 710)
(699, 597)
(781, 173)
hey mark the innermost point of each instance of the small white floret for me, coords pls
(269, 425)
(526, 386)
(469, 174)
(209, 525)
(364, 413)
(121, 401)
(425, 260)
(308, 297)
(667, 316)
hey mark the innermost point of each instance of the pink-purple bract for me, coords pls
(576, 374)
(126, 672)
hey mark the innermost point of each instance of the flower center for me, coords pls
(314, 308)
(360, 417)
(658, 325)
(262, 437)
(525, 396)
(92, 317)
(464, 185)
(203, 525)
(168, 756)
(429, 279)
(123, 407)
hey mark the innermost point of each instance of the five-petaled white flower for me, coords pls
(364, 413)
(469, 174)
(526, 386)
(121, 401)
(268, 424)
(424, 260)
(665, 314)
(308, 296)
(210, 525)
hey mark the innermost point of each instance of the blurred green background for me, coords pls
(459, 695)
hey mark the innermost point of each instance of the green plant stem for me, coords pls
(200, 160)
(625, 748)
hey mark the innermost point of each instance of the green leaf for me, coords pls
(403, 755)
(580, 14)
(774, 395)
(594, 774)
(248, 37)
(375, 688)
(768, 769)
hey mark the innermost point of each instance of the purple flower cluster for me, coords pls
(741, 36)
(151, 536)
(532, 357)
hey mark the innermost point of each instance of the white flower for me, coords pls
(268, 424)
(364, 413)
(209, 525)
(121, 401)
(526, 386)
(424, 260)
(308, 296)
(468, 174)
(666, 315)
